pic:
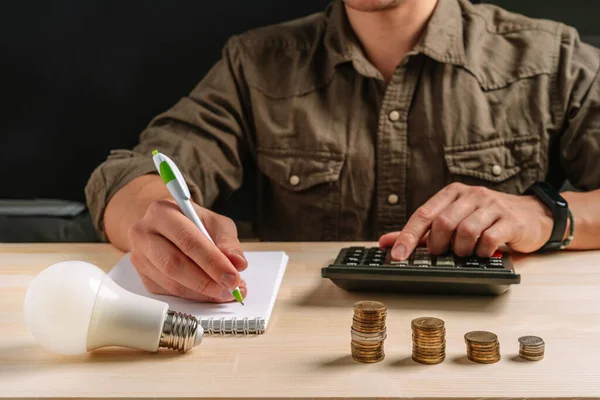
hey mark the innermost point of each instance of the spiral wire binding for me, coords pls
(233, 326)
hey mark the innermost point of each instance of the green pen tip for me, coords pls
(237, 294)
(155, 152)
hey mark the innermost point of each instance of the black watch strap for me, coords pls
(560, 212)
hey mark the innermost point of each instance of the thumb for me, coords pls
(224, 233)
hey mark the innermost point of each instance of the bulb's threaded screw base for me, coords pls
(179, 331)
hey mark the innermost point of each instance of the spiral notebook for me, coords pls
(263, 276)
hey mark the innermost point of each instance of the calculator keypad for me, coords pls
(421, 258)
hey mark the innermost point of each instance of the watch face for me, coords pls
(552, 194)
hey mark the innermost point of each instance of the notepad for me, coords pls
(263, 277)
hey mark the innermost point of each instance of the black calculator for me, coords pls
(373, 269)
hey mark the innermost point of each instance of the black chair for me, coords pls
(82, 77)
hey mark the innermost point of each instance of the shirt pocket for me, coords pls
(508, 165)
(302, 194)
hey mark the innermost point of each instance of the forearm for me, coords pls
(129, 205)
(586, 210)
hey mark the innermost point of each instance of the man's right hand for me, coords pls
(173, 257)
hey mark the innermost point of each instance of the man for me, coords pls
(403, 120)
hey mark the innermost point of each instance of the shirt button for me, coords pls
(496, 170)
(393, 198)
(294, 180)
(394, 116)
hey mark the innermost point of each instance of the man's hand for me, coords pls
(174, 257)
(470, 220)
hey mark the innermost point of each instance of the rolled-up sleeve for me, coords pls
(579, 95)
(204, 133)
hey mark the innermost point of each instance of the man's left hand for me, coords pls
(473, 219)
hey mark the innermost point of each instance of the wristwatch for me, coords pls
(560, 212)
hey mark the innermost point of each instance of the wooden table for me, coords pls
(306, 351)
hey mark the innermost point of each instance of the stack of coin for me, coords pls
(531, 348)
(368, 331)
(482, 347)
(429, 340)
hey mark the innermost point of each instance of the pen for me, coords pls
(172, 177)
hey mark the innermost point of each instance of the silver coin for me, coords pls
(531, 341)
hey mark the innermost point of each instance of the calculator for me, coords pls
(373, 269)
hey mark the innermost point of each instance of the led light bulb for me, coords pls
(73, 307)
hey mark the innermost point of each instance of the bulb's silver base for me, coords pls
(179, 331)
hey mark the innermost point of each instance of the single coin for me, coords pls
(374, 316)
(427, 323)
(530, 358)
(531, 354)
(428, 361)
(531, 341)
(369, 306)
(481, 337)
(482, 361)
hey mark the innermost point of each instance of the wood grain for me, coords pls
(306, 351)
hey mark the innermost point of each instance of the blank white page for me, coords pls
(263, 277)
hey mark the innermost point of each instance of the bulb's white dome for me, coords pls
(59, 305)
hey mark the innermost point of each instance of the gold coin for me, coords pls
(369, 361)
(369, 316)
(369, 306)
(485, 355)
(428, 338)
(481, 361)
(428, 361)
(427, 323)
(481, 337)
(528, 354)
(366, 348)
(530, 358)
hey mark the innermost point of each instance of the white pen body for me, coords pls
(187, 208)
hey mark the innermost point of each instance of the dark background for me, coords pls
(81, 77)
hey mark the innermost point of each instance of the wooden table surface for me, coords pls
(306, 350)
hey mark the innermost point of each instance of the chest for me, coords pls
(438, 123)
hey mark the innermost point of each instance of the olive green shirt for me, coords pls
(327, 150)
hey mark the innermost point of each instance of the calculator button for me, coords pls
(473, 262)
(350, 263)
(497, 254)
(355, 255)
(444, 261)
(374, 264)
(422, 262)
(400, 263)
(356, 259)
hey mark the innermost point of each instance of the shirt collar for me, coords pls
(442, 39)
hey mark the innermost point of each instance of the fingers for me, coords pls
(420, 222)
(446, 223)
(387, 240)
(168, 221)
(497, 235)
(175, 265)
(158, 283)
(224, 233)
(470, 230)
